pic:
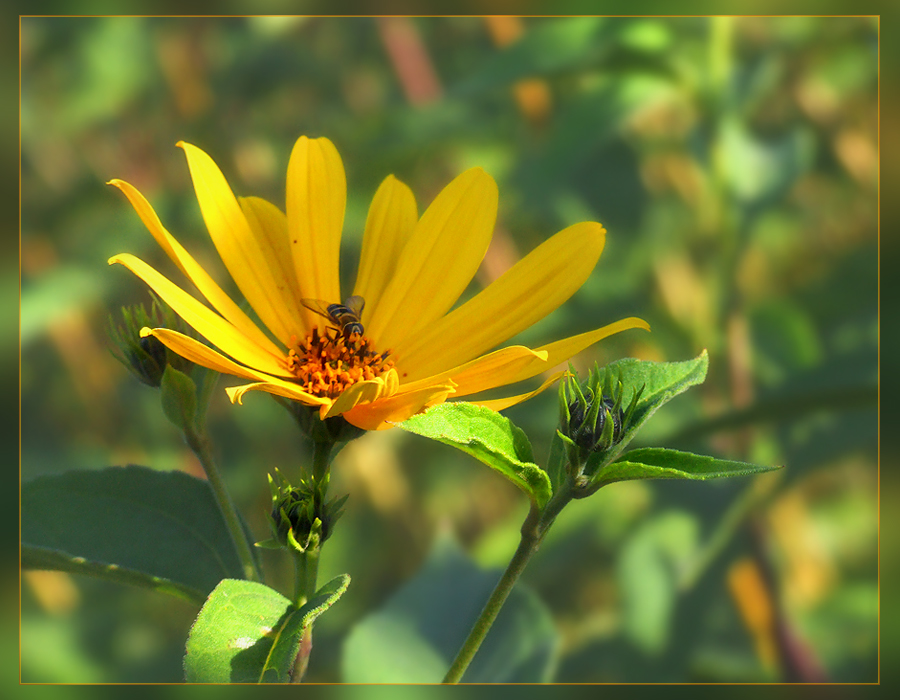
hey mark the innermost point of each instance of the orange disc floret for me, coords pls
(329, 363)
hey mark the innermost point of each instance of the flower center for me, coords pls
(330, 362)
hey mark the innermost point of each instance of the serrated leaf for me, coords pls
(161, 530)
(662, 381)
(661, 463)
(414, 637)
(250, 633)
(487, 436)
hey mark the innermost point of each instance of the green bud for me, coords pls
(300, 518)
(146, 358)
(592, 418)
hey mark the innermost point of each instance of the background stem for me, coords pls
(200, 445)
(534, 528)
(527, 547)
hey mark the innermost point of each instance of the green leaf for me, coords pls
(661, 382)
(46, 299)
(647, 572)
(557, 460)
(415, 636)
(758, 170)
(487, 436)
(250, 633)
(661, 463)
(161, 530)
(178, 394)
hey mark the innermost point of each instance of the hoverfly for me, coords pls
(344, 316)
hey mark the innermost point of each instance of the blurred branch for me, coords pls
(410, 59)
(798, 661)
(780, 407)
(737, 513)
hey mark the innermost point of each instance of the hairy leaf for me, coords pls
(487, 436)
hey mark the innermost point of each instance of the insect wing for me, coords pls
(318, 306)
(356, 304)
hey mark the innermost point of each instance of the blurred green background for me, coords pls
(734, 163)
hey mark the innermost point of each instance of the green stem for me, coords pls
(321, 459)
(306, 563)
(534, 528)
(306, 571)
(199, 443)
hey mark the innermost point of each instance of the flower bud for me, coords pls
(592, 418)
(146, 358)
(300, 518)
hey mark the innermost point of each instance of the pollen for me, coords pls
(329, 362)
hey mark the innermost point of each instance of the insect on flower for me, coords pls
(346, 316)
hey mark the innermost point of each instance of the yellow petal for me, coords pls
(392, 218)
(500, 404)
(380, 414)
(288, 391)
(439, 260)
(269, 226)
(205, 321)
(316, 198)
(562, 350)
(504, 367)
(391, 382)
(200, 354)
(488, 371)
(194, 272)
(249, 260)
(534, 287)
(362, 392)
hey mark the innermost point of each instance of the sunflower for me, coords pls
(395, 347)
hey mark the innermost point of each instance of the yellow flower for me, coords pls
(414, 352)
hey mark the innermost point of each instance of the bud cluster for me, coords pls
(146, 358)
(593, 418)
(300, 517)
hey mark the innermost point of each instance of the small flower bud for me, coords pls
(300, 519)
(592, 418)
(146, 358)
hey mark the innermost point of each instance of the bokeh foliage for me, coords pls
(733, 162)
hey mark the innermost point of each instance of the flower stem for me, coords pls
(321, 459)
(199, 443)
(535, 527)
(306, 563)
(306, 570)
